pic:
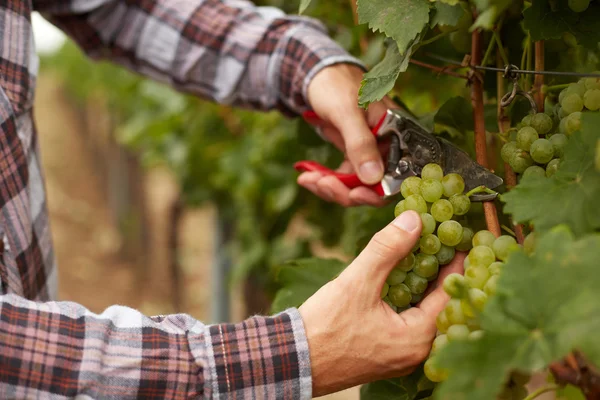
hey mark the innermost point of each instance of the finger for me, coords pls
(335, 190)
(386, 248)
(361, 146)
(435, 302)
(366, 196)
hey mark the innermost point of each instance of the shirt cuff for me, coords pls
(308, 50)
(261, 357)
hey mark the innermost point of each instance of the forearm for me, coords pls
(60, 348)
(229, 51)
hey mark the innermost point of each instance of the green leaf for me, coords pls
(401, 20)
(300, 279)
(411, 387)
(304, 5)
(547, 305)
(570, 392)
(456, 113)
(571, 195)
(543, 23)
(446, 14)
(381, 79)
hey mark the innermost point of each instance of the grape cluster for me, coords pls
(437, 198)
(537, 144)
(469, 294)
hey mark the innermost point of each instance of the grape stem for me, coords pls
(542, 390)
(507, 229)
(556, 88)
(489, 207)
(480, 189)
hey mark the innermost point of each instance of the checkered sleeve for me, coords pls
(61, 350)
(230, 51)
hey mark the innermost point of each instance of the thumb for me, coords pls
(385, 250)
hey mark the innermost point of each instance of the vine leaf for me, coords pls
(401, 20)
(571, 195)
(304, 5)
(446, 14)
(456, 113)
(381, 79)
(528, 329)
(544, 23)
(301, 278)
(411, 387)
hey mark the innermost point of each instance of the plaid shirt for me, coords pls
(227, 50)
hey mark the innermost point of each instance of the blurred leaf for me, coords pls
(456, 113)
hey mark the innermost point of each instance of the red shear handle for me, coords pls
(312, 118)
(351, 181)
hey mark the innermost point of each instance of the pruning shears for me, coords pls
(412, 147)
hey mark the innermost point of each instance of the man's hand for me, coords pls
(332, 94)
(353, 336)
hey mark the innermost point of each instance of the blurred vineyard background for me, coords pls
(168, 203)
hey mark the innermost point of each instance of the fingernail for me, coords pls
(371, 171)
(407, 221)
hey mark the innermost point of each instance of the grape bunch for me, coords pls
(537, 144)
(437, 198)
(469, 294)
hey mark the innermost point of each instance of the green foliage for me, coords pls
(301, 278)
(526, 329)
(413, 387)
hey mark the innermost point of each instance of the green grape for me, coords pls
(534, 170)
(572, 103)
(552, 167)
(455, 286)
(495, 268)
(542, 123)
(507, 150)
(432, 171)
(453, 184)
(439, 343)
(578, 5)
(559, 141)
(542, 151)
(445, 255)
(435, 276)
(387, 301)
(503, 246)
(562, 126)
(410, 186)
(407, 263)
(416, 298)
(460, 204)
(473, 324)
(573, 123)
(442, 210)
(396, 277)
(433, 372)
(529, 243)
(476, 335)
(416, 203)
(591, 99)
(400, 208)
(482, 256)
(454, 312)
(431, 190)
(562, 113)
(426, 265)
(490, 286)
(477, 298)
(466, 240)
(466, 263)
(450, 233)
(562, 95)
(441, 321)
(461, 41)
(577, 88)
(429, 244)
(526, 121)
(520, 161)
(525, 137)
(399, 295)
(416, 248)
(428, 224)
(384, 290)
(457, 332)
(477, 276)
(484, 238)
(591, 83)
(415, 283)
